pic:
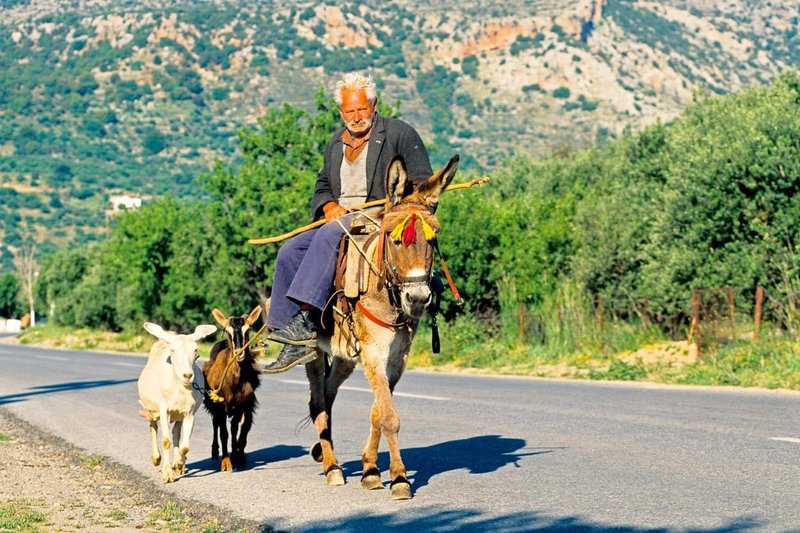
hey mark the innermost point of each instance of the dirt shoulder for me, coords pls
(52, 485)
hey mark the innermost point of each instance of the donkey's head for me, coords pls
(182, 349)
(236, 328)
(411, 229)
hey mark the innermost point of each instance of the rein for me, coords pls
(213, 394)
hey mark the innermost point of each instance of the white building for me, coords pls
(125, 202)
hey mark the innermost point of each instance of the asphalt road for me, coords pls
(483, 453)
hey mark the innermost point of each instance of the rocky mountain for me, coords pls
(104, 96)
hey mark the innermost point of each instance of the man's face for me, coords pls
(356, 111)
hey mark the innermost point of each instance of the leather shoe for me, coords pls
(300, 331)
(290, 356)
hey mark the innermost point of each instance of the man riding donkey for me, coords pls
(354, 171)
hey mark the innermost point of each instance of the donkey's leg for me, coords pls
(317, 408)
(155, 453)
(371, 477)
(389, 426)
(221, 420)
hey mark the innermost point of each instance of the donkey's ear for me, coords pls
(431, 189)
(254, 314)
(220, 317)
(396, 179)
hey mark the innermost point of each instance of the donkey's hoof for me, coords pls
(225, 465)
(371, 482)
(401, 489)
(334, 477)
(316, 452)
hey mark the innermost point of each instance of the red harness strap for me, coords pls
(370, 316)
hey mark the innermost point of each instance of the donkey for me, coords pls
(381, 327)
(231, 379)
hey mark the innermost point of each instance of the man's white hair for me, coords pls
(355, 81)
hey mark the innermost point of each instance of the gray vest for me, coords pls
(354, 179)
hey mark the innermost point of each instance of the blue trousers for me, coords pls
(304, 271)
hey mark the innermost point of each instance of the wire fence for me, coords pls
(707, 318)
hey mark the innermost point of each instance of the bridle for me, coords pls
(388, 277)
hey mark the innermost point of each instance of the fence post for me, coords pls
(521, 324)
(757, 318)
(695, 327)
(732, 312)
(558, 316)
(645, 313)
(600, 318)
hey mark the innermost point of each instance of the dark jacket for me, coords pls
(389, 137)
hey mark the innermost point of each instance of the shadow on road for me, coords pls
(255, 459)
(467, 520)
(479, 455)
(61, 387)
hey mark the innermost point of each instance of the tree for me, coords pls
(27, 272)
(9, 288)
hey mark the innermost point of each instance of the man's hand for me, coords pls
(332, 211)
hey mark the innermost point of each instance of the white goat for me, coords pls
(167, 394)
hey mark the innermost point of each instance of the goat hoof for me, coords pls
(316, 452)
(371, 482)
(214, 455)
(401, 489)
(240, 460)
(334, 477)
(168, 475)
(156, 459)
(225, 465)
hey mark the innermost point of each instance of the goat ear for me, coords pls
(220, 317)
(203, 331)
(254, 314)
(157, 331)
(396, 180)
(432, 188)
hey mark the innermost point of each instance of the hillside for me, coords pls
(101, 97)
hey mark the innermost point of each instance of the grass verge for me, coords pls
(770, 363)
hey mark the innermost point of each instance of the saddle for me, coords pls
(352, 270)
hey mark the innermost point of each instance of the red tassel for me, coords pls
(410, 231)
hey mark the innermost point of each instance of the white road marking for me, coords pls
(359, 389)
(127, 364)
(786, 439)
(52, 357)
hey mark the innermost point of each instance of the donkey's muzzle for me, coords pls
(415, 298)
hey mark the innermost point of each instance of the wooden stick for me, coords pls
(367, 205)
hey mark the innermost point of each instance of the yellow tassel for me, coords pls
(397, 232)
(215, 397)
(427, 229)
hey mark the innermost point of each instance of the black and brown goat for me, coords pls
(231, 379)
